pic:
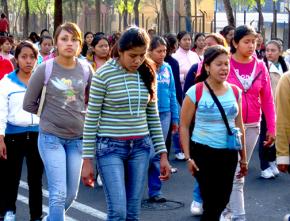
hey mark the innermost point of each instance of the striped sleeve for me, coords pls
(97, 94)
(154, 127)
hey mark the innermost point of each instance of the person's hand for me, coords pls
(164, 167)
(3, 151)
(88, 173)
(283, 168)
(192, 167)
(243, 169)
(269, 140)
(175, 128)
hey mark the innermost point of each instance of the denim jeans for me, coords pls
(62, 159)
(154, 183)
(196, 192)
(122, 165)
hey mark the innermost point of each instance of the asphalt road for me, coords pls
(266, 200)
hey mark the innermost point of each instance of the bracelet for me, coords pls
(243, 162)
(188, 159)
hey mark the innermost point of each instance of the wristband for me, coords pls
(188, 159)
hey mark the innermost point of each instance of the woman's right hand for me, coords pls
(88, 173)
(3, 151)
(192, 166)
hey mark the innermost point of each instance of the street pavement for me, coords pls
(265, 200)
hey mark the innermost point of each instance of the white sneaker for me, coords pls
(180, 156)
(225, 217)
(9, 216)
(44, 218)
(274, 168)
(286, 217)
(99, 181)
(196, 208)
(267, 173)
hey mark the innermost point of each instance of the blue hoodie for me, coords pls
(166, 92)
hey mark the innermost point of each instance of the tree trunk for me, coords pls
(187, 5)
(70, 5)
(5, 7)
(26, 20)
(229, 12)
(98, 15)
(165, 16)
(261, 17)
(136, 12)
(125, 14)
(57, 13)
(120, 21)
(75, 18)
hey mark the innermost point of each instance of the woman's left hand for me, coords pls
(270, 139)
(175, 128)
(164, 167)
(243, 169)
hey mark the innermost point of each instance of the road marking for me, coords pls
(24, 199)
(76, 205)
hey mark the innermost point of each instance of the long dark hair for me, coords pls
(171, 41)
(25, 44)
(138, 37)
(196, 37)
(241, 32)
(210, 54)
(156, 41)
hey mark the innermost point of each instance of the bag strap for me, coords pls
(48, 70)
(86, 70)
(198, 92)
(236, 92)
(220, 107)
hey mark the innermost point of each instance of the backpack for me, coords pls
(199, 90)
(48, 72)
(198, 94)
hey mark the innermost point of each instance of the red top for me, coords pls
(5, 67)
(4, 25)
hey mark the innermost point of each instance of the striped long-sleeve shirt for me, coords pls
(118, 107)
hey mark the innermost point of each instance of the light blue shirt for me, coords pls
(210, 128)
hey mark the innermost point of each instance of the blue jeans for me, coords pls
(196, 192)
(122, 165)
(154, 183)
(62, 159)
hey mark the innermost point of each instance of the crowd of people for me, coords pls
(71, 102)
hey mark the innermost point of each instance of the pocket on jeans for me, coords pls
(50, 141)
(147, 143)
(103, 147)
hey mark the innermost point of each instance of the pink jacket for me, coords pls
(259, 96)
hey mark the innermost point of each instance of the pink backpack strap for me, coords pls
(198, 92)
(236, 92)
(48, 70)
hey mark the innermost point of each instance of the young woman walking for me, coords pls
(62, 117)
(209, 147)
(121, 123)
(18, 137)
(252, 77)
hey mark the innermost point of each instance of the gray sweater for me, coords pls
(63, 111)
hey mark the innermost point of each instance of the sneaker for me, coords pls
(157, 199)
(196, 208)
(99, 181)
(225, 217)
(267, 174)
(274, 168)
(9, 216)
(286, 217)
(180, 156)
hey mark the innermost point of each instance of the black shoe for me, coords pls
(157, 199)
